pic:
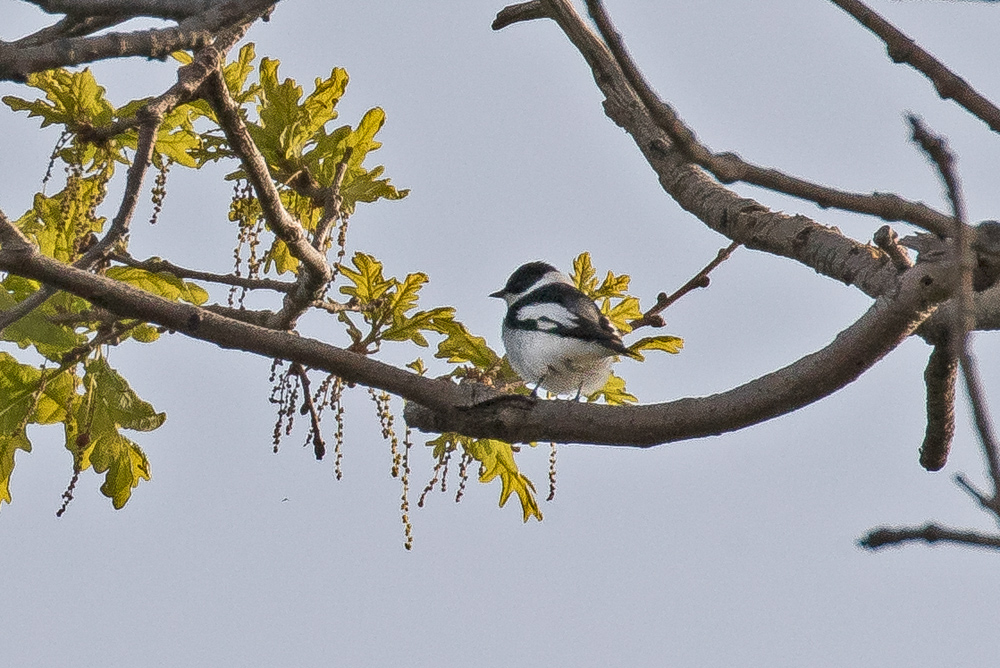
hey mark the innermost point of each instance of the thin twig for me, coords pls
(931, 533)
(319, 445)
(984, 501)
(984, 426)
(333, 203)
(155, 264)
(700, 280)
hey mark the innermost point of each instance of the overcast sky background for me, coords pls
(737, 550)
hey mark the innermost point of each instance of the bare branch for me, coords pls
(156, 264)
(985, 501)
(984, 427)
(454, 408)
(931, 533)
(165, 9)
(729, 167)
(333, 202)
(700, 280)
(193, 33)
(939, 376)
(903, 49)
(319, 445)
(315, 273)
(525, 11)
(822, 248)
(71, 26)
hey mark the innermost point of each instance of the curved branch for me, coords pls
(444, 406)
(822, 248)
(18, 61)
(903, 49)
(883, 327)
(730, 167)
(164, 9)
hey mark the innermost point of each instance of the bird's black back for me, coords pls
(583, 320)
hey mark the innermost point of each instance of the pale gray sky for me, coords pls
(730, 551)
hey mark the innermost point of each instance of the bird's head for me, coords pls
(528, 277)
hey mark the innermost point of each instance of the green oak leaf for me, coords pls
(670, 344)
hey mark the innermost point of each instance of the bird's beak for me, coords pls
(498, 294)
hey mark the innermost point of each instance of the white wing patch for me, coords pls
(549, 316)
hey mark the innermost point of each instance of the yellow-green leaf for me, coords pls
(369, 283)
(281, 258)
(614, 393)
(670, 344)
(622, 313)
(160, 283)
(584, 275)
(460, 346)
(497, 460)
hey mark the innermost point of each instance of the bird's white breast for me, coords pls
(563, 365)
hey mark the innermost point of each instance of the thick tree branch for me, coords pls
(887, 323)
(729, 167)
(164, 9)
(903, 49)
(822, 248)
(192, 33)
(459, 408)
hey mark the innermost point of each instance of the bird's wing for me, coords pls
(564, 310)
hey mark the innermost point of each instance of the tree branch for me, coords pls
(192, 33)
(822, 248)
(156, 264)
(729, 167)
(984, 427)
(315, 273)
(440, 405)
(931, 533)
(700, 280)
(939, 377)
(903, 49)
(164, 9)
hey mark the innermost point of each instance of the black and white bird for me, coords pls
(555, 336)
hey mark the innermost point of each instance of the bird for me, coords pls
(555, 335)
